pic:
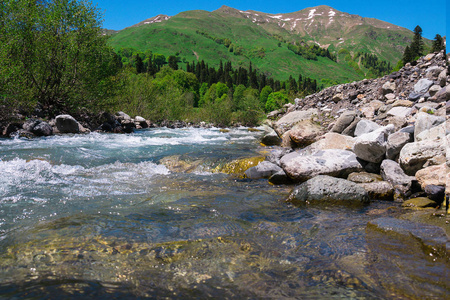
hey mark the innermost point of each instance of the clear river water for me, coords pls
(150, 215)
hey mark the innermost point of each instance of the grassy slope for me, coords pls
(178, 34)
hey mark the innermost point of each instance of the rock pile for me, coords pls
(394, 126)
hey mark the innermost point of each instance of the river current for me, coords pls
(150, 215)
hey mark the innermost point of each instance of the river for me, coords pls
(101, 216)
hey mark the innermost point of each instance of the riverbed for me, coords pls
(102, 216)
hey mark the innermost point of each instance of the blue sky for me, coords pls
(430, 15)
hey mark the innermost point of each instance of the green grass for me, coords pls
(178, 35)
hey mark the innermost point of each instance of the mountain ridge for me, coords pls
(263, 39)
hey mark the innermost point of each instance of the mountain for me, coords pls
(267, 40)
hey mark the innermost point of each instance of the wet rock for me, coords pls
(364, 177)
(420, 202)
(371, 146)
(38, 127)
(239, 166)
(67, 124)
(433, 238)
(418, 155)
(426, 121)
(329, 190)
(435, 193)
(280, 178)
(365, 126)
(333, 162)
(395, 143)
(138, 120)
(11, 128)
(264, 169)
(379, 190)
(271, 139)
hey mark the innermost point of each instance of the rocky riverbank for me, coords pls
(381, 139)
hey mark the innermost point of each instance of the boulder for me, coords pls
(329, 190)
(264, 169)
(434, 133)
(422, 86)
(433, 72)
(388, 87)
(280, 178)
(289, 120)
(67, 124)
(395, 143)
(271, 139)
(426, 121)
(441, 96)
(379, 190)
(275, 155)
(433, 175)
(442, 78)
(333, 162)
(415, 156)
(330, 140)
(419, 202)
(11, 129)
(370, 110)
(371, 146)
(337, 97)
(306, 132)
(400, 111)
(343, 121)
(393, 173)
(434, 89)
(140, 121)
(365, 126)
(121, 116)
(38, 127)
(350, 130)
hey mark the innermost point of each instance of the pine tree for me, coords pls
(438, 44)
(417, 44)
(407, 55)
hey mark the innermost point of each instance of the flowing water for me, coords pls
(149, 215)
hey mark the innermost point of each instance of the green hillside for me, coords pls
(240, 37)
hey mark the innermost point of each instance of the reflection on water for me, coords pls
(100, 216)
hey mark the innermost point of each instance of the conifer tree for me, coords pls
(417, 44)
(139, 64)
(438, 43)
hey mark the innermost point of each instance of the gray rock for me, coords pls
(400, 111)
(434, 133)
(67, 124)
(414, 96)
(139, 119)
(38, 127)
(415, 156)
(271, 139)
(434, 89)
(426, 121)
(395, 143)
(371, 146)
(333, 162)
(388, 87)
(350, 130)
(343, 121)
(289, 120)
(123, 116)
(275, 155)
(433, 72)
(380, 190)
(280, 178)
(306, 132)
(264, 169)
(442, 78)
(394, 174)
(422, 86)
(329, 190)
(364, 177)
(365, 126)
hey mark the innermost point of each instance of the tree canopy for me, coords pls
(53, 53)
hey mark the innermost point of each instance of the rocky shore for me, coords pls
(381, 139)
